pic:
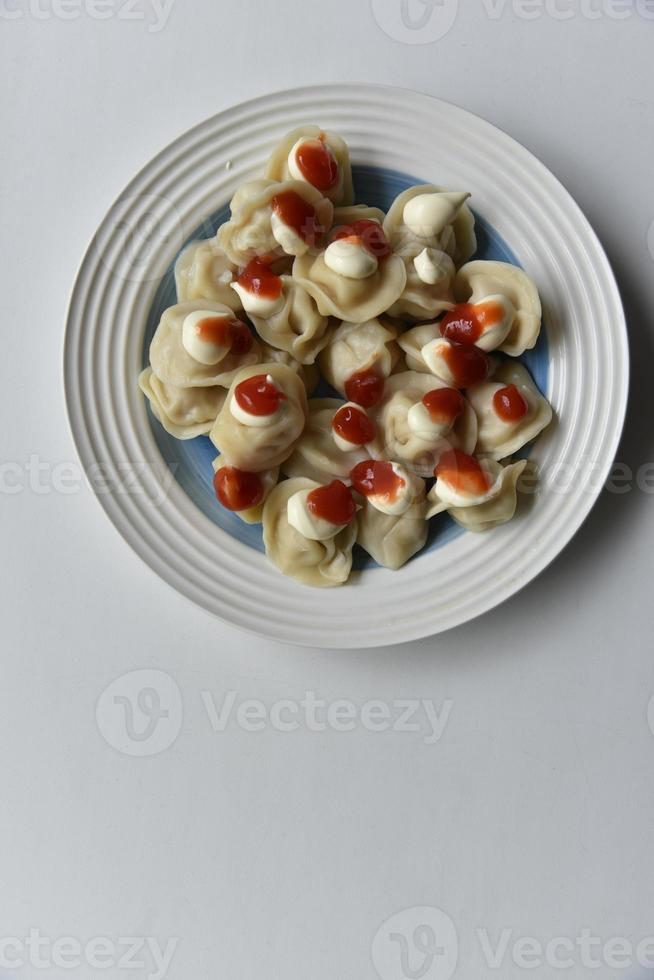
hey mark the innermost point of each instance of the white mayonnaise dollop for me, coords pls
(427, 215)
(350, 258)
(200, 349)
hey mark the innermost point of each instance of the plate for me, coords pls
(157, 490)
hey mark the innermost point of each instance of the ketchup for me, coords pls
(353, 425)
(258, 279)
(368, 233)
(463, 473)
(257, 396)
(298, 214)
(468, 365)
(237, 490)
(317, 164)
(465, 323)
(366, 388)
(510, 404)
(333, 503)
(375, 478)
(225, 331)
(444, 405)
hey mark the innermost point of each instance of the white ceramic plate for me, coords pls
(169, 518)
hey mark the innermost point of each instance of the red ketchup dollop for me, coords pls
(258, 279)
(444, 405)
(366, 388)
(368, 233)
(237, 490)
(465, 323)
(298, 214)
(376, 478)
(258, 396)
(468, 365)
(316, 163)
(333, 503)
(225, 331)
(510, 404)
(353, 425)
(463, 473)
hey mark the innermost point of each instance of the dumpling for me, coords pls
(431, 217)
(510, 410)
(429, 284)
(391, 539)
(357, 277)
(183, 412)
(317, 456)
(274, 219)
(229, 346)
(243, 493)
(357, 351)
(419, 418)
(412, 341)
(203, 271)
(479, 281)
(262, 419)
(297, 327)
(478, 494)
(308, 373)
(316, 157)
(357, 212)
(322, 564)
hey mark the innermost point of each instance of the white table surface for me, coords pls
(281, 854)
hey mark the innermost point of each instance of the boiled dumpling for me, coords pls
(510, 410)
(317, 455)
(322, 564)
(479, 280)
(184, 412)
(478, 494)
(359, 348)
(274, 219)
(264, 483)
(391, 539)
(429, 285)
(409, 433)
(316, 157)
(297, 327)
(357, 277)
(203, 271)
(412, 341)
(431, 217)
(255, 440)
(169, 351)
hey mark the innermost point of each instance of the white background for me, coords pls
(272, 854)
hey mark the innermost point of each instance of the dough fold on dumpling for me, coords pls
(316, 455)
(354, 300)
(203, 271)
(322, 564)
(458, 239)
(390, 539)
(500, 509)
(477, 280)
(421, 300)
(256, 448)
(277, 169)
(298, 327)
(183, 412)
(308, 373)
(399, 443)
(498, 438)
(249, 233)
(172, 363)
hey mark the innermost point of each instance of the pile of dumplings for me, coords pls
(426, 405)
